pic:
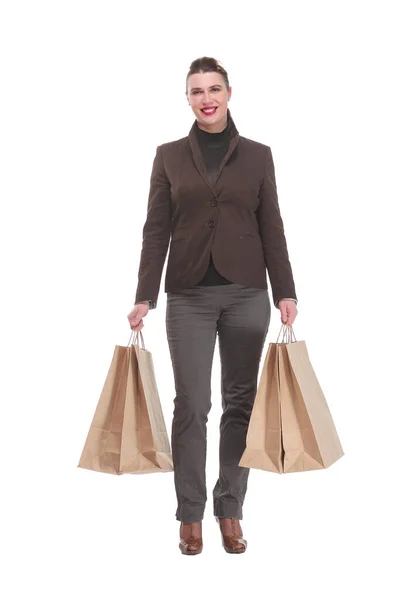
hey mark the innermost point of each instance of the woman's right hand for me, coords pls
(136, 315)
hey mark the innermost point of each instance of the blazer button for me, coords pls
(214, 202)
(211, 223)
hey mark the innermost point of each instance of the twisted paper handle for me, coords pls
(135, 335)
(288, 333)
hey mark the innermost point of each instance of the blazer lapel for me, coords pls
(198, 156)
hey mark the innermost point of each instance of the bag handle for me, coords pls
(288, 333)
(135, 335)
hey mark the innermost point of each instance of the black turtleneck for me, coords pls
(214, 146)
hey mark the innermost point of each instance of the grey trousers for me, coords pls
(240, 316)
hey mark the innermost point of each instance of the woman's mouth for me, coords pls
(209, 111)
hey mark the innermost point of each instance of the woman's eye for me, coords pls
(213, 89)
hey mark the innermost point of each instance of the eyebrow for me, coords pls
(211, 86)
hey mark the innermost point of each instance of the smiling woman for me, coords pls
(214, 191)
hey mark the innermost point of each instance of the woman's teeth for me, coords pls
(209, 111)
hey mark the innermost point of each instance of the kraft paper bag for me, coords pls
(128, 432)
(263, 442)
(302, 423)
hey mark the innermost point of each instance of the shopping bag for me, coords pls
(302, 425)
(128, 432)
(263, 442)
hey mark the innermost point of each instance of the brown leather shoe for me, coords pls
(191, 540)
(232, 535)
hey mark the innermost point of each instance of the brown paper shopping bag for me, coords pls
(263, 442)
(128, 433)
(302, 423)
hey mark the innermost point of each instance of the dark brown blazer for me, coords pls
(237, 219)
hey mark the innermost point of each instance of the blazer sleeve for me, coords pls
(156, 233)
(272, 235)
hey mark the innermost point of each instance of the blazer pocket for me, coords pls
(248, 235)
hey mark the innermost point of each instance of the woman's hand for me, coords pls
(136, 315)
(288, 311)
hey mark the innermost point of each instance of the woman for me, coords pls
(214, 193)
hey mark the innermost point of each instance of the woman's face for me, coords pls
(208, 90)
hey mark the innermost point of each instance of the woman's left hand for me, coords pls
(288, 311)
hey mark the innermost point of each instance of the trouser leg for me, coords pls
(242, 329)
(191, 323)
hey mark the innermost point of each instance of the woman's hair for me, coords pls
(205, 64)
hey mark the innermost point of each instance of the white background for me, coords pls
(89, 89)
